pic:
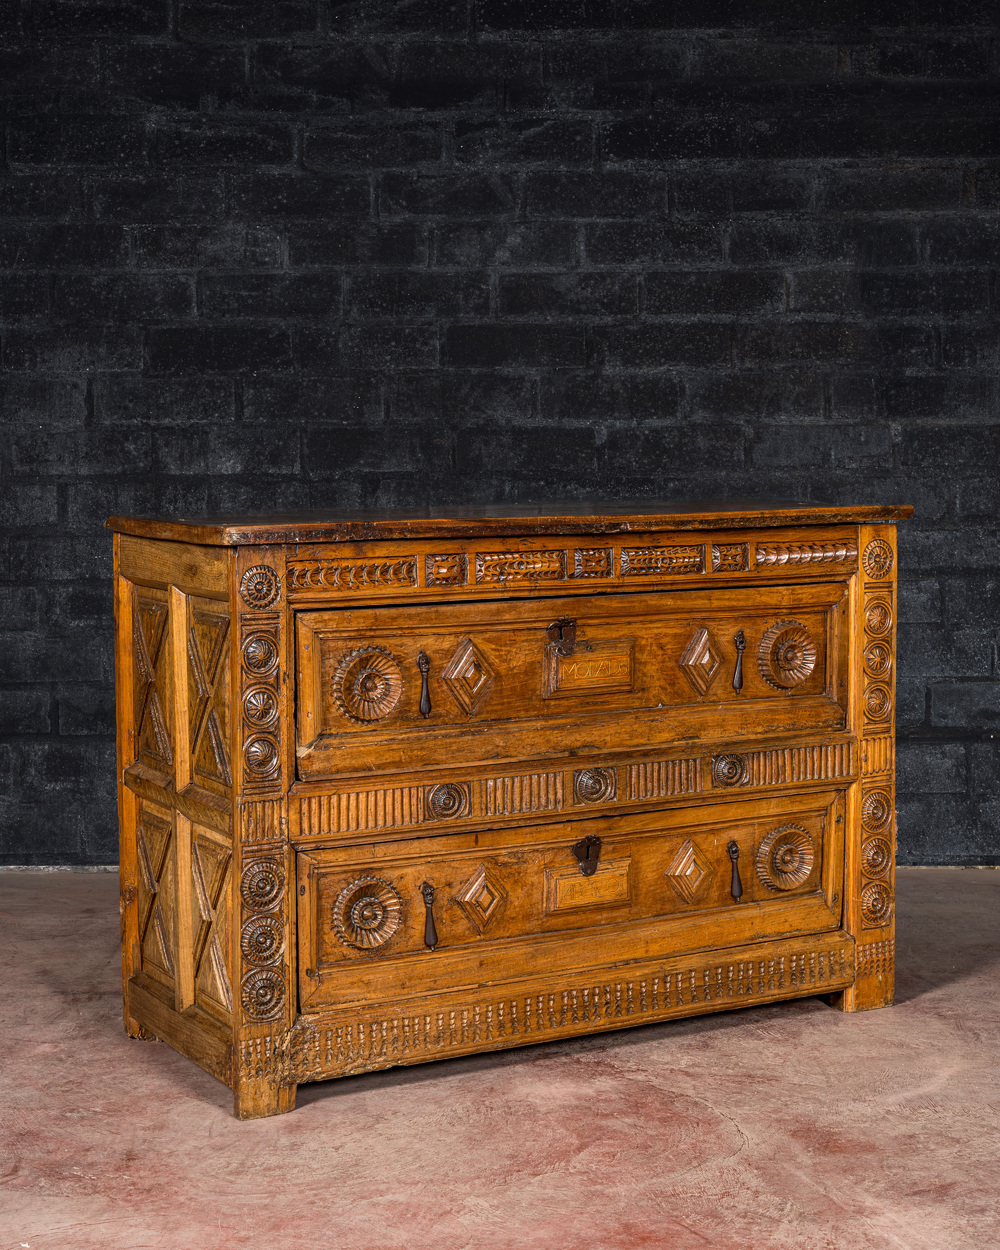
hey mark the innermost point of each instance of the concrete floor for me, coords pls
(764, 1129)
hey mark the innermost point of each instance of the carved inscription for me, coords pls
(567, 890)
(593, 668)
(347, 575)
(660, 561)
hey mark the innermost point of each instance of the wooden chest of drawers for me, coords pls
(398, 788)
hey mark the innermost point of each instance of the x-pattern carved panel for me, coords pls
(208, 647)
(153, 838)
(149, 635)
(210, 870)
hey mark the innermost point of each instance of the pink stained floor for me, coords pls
(773, 1128)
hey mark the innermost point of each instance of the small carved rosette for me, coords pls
(367, 684)
(366, 913)
(729, 770)
(262, 939)
(787, 655)
(595, 785)
(785, 858)
(260, 587)
(448, 801)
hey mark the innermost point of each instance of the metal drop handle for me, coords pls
(424, 664)
(741, 643)
(736, 889)
(430, 932)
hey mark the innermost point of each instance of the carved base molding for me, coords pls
(363, 1040)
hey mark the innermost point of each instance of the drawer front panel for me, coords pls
(501, 906)
(417, 687)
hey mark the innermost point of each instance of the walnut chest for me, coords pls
(399, 787)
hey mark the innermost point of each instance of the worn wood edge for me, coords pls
(193, 1033)
(202, 806)
(291, 1066)
(373, 527)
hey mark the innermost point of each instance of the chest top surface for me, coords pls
(372, 525)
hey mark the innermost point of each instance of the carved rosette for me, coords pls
(729, 770)
(876, 905)
(785, 858)
(262, 940)
(263, 988)
(786, 655)
(876, 810)
(448, 801)
(877, 559)
(262, 994)
(878, 618)
(595, 785)
(366, 913)
(260, 587)
(261, 884)
(876, 857)
(260, 700)
(367, 684)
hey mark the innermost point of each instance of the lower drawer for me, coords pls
(504, 905)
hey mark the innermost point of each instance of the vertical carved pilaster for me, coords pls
(869, 885)
(263, 940)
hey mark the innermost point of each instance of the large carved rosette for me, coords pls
(787, 655)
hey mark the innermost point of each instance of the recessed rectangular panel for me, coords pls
(567, 889)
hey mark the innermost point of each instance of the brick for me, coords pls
(544, 140)
(23, 296)
(931, 768)
(970, 602)
(948, 550)
(970, 240)
(271, 295)
(875, 188)
(83, 452)
(121, 18)
(862, 241)
(291, 403)
(507, 245)
(774, 59)
(514, 346)
(766, 394)
(899, 294)
(978, 499)
(238, 450)
(567, 295)
(634, 244)
(673, 135)
(939, 397)
(277, 193)
(970, 345)
(97, 140)
(921, 820)
(368, 347)
(834, 342)
(455, 73)
(218, 141)
(335, 452)
(945, 652)
(697, 447)
(60, 558)
(399, 16)
(339, 77)
(481, 449)
(919, 601)
(30, 67)
(594, 396)
(363, 143)
(67, 656)
(72, 348)
(149, 198)
(27, 505)
(950, 448)
(61, 246)
(127, 399)
(460, 194)
(329, 243)
(85, 709)
(40, 195)
(89, 504)
(191, 247)
(20, 608)
(233, 19)
(43, 403)
(25, 712)
(714, 291)
(414, 296)
(965, 704)
(523, 15)
(652, 346)
(217, 349)
(618, 194)
(173, 74)
(123, 297)
(984, 767)
(480, 398)
(819, 448)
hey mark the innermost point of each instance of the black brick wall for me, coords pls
(299, 252)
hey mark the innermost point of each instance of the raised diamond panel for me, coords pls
(701, 659)
(482, 896)
(687, 871)
(469, 677)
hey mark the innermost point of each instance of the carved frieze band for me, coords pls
(406, 570)
(875, 958)
(371, 1041)
(262, 821)
(401, 806)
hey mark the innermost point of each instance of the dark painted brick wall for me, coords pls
(290, 253)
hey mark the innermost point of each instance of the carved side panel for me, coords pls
(211, 868)
(151, 665)
(154, 844)
(208, 694)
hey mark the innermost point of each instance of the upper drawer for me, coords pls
(391, 688)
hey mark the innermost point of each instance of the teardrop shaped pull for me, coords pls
(741, 643)
(736, 889)
(424, 664)
(430, 932)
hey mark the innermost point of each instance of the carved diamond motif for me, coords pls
(687, 870)
(482, 896)
(701, 660)
(469, 677)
